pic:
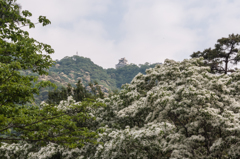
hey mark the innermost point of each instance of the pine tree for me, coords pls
(79, 93)
(224, 53)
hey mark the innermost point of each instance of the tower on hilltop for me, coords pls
(122, 62)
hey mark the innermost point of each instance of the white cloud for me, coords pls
(155, 31)
(149, 31)
(62, 11)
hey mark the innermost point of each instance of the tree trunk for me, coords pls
(226, 66)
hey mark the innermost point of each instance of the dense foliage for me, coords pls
(19, 52)
(177, 110)
(226, 52)
(127, 73)
(79, 93)
(33, 124)
(71, 129)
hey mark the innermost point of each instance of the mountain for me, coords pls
(72, 69)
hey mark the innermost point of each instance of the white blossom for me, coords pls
(176, 110)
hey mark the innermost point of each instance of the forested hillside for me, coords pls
(127, 73)
(72, 69)
(188, 109)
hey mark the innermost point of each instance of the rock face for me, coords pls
(87, 77)
(122, 62)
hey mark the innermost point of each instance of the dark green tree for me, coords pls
(69, 90)
(96, 90)
(79, 93)
(224, 53)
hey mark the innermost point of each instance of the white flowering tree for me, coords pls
(176, 110)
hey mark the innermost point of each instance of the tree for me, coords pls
(79, 93)
(96, 90)
(224, 53)
(19, 52)
(71, 124)
(176, 110)
(113, 93)
(34, 124)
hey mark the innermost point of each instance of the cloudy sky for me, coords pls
(139, 30)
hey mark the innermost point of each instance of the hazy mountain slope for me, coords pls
(127, 73)
(71, 69)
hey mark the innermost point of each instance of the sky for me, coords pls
(139, 30)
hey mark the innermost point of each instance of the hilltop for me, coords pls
(72, 69)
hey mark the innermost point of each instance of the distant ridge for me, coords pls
(72, 69)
